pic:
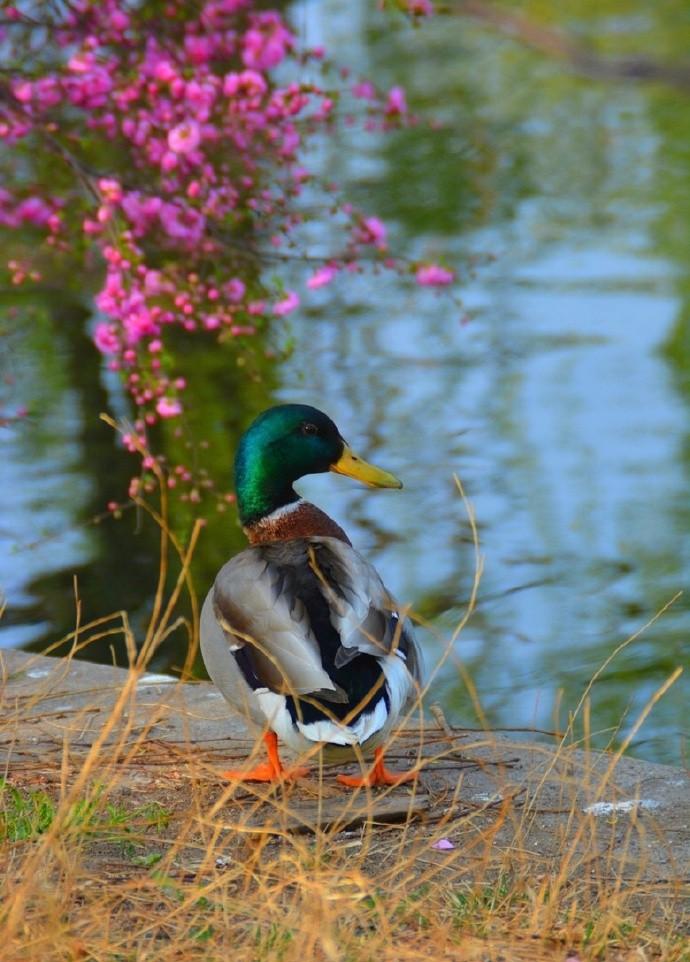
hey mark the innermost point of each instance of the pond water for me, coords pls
(558, 391)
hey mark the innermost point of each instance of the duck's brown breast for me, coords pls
(299, 520)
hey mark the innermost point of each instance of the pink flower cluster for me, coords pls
(34, 210)
(183, 123)
(187, 147)
(432, 275)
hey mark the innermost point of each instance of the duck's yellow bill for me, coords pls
(354, 467)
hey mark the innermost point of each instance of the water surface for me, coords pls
(557, 390)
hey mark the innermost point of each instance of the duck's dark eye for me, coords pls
(309, 428)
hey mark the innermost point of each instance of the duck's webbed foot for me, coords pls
(379, 775)
(272, 770)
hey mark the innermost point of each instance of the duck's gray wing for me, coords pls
(257, 604)
(363, 611)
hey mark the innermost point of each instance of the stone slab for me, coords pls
(626, 819)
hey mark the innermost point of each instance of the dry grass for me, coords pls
(118, 844)
(135, 850)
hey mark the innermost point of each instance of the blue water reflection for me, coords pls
(558, 390)
(554, 404)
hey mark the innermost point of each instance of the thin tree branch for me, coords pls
(558, 45)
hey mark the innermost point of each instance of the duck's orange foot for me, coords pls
(265, 772)
(271, 771)
(379, 775)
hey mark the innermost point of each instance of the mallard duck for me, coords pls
(298, 631)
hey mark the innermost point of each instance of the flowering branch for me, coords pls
(170, 119)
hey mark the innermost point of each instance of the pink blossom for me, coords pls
(267, 41)
(431, 275)
(182, 223)
(105, 338)
(323, 276)
(288, 304)
(154, 282)
(81, 62)
(111, 189)
(33, 210)
(200, 97)
(165, 71)
(199, 49)
(326, 108)
(47, 92)
(372, 231)
(248, 82)
(119, 20)
(364, 90)
(23, 91)
(168, 161)
(168, 407)
(396, 105)
(138, 320)
(235, 289)
(291, 142)
(185, 137)
(142, 212)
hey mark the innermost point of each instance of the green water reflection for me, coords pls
(563, 404)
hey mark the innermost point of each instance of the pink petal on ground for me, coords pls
(443, 845)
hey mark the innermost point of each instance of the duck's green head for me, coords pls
(285, 443)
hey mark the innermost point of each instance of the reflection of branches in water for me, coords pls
(555, 43)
